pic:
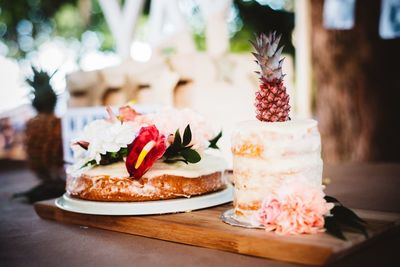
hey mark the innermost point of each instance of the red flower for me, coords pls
(126, 113)
(147, 147)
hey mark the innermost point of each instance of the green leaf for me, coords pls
(114, 155)
(123, 152)
(175, 147)
(333, 228)
(191, 155)
(110, 157)
(356, 225)
(342, 210)
(346, 214)
(172, 151)
(349, 218)
(187, 136)
(331, 199)
(177, 139)
(214, 141)
(181, 150)
(89, 163)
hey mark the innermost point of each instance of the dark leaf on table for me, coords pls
(333, 228)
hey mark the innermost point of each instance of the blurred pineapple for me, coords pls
(43, 132)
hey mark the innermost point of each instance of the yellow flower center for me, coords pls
(146, 149)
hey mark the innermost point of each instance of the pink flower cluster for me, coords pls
(167, 121)
(298, 210)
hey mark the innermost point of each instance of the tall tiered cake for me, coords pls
(277, 165)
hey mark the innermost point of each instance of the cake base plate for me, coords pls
(66, 202)
(229, 218)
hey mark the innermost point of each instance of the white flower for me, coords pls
(78, 152)
(104, 136)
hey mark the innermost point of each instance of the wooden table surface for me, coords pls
(27, 240)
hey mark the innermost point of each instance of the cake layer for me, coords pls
(276, 140)
(286, 128)
(257, 187)
(246, 166)
(162, 181)
(105, 188)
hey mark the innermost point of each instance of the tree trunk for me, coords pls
(357, 78)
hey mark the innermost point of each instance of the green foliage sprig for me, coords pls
(214, 141)
(180, 150)
(109, 157)
(342, 216)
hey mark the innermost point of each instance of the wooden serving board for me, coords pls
(204, 228)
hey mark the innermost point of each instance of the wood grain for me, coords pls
(204, 228)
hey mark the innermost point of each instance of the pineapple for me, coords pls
(43, 132)
(272, 100)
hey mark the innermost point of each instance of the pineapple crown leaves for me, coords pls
(268, 56)
(44, 98)
(180, 150)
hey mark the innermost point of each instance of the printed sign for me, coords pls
(338, 14)
(389, 25)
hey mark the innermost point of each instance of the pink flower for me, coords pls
(169, 120)
(296, 210)
(111, 116)
(126, 113)
(269, 212)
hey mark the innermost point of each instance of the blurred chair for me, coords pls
(72, 124)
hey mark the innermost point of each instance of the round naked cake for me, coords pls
(135, 157)
(163, 181)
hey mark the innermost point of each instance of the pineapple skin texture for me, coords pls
(44, 146)
(272, 102)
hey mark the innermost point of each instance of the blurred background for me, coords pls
(342, 68)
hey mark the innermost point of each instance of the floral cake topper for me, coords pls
(140, 140)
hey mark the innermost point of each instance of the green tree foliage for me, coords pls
(21, 22)
(26, 24)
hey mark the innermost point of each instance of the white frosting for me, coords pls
(279, 139)
(269, 155)
(207, 165)
(113, 170)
